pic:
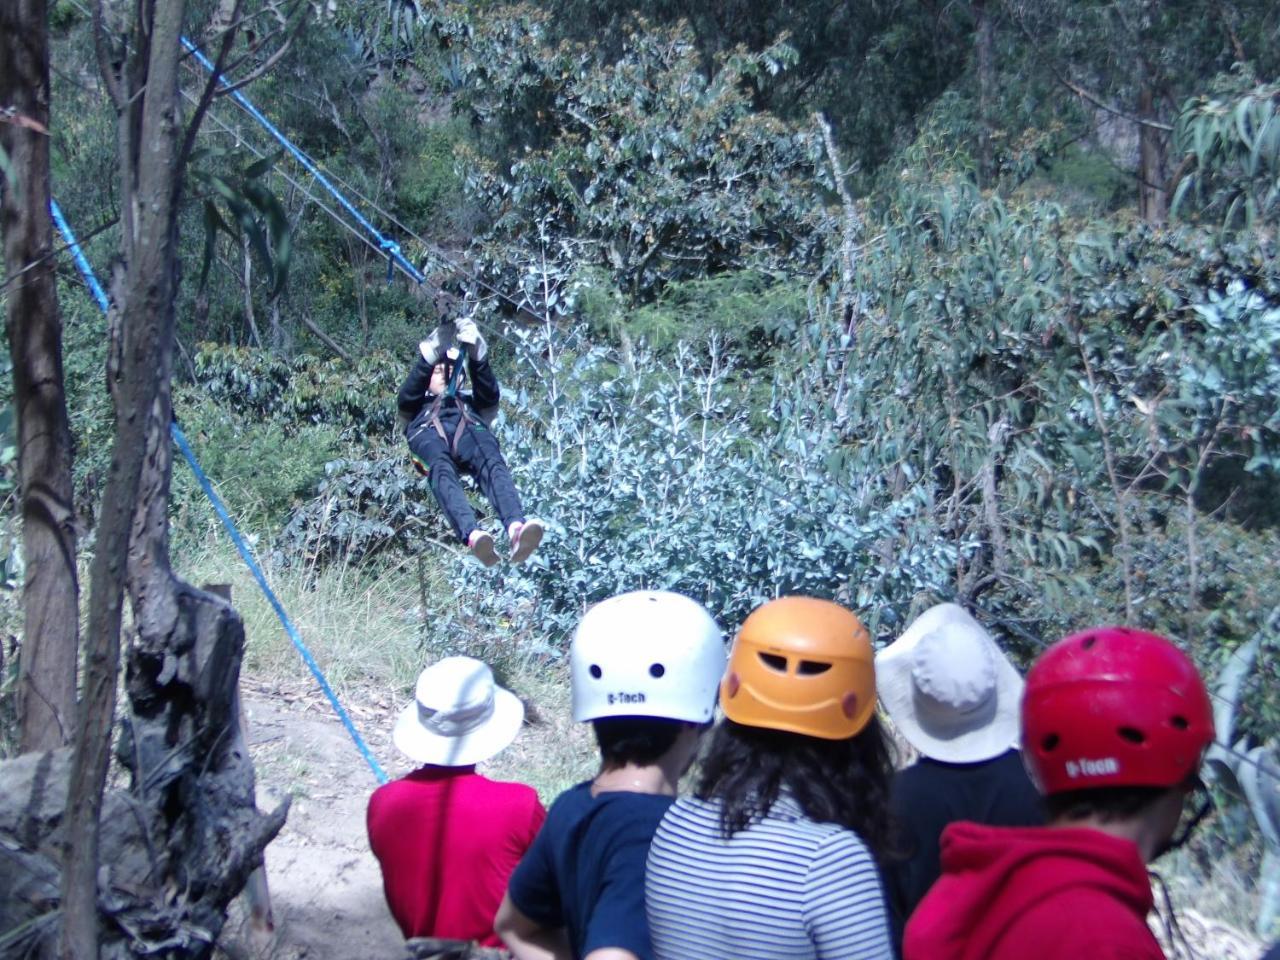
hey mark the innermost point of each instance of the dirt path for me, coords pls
(326, 889)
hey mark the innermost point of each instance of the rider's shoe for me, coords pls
(481, 546)
(525, 538)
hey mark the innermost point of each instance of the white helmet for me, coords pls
(647, 654)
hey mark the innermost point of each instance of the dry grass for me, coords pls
(368, 635)
(363, 631)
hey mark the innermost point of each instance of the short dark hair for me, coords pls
(834, 781)
(638, 740)
(1106, 804)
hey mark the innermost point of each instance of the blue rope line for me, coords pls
(86, 271)
(386, 244)
(180, 439)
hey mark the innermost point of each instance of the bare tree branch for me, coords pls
(105, 66)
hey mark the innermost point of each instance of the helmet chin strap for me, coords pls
(1204, 807)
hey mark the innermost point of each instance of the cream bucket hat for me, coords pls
(949, 689)
(459, 715)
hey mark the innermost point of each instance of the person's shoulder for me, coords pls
(511, 793)
(834, 844)
(571, 805)
(1091, 922)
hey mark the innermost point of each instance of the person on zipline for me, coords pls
(448, 428)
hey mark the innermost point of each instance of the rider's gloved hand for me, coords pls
(469, 334)
(433, 348)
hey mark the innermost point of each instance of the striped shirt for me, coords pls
(783, 887)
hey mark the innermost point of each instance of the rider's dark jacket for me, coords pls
(482, 399)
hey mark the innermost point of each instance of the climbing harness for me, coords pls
(433, 417)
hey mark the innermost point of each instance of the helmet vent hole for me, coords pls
(1179, 723)
(657, 670)
(1088, 641)
(596, 671)
(774, 662)
(1050, 743)
(811, 668)
(1132, 734)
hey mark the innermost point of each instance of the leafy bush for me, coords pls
(262, 469)
(1231, 140)
(362, 508)
(357, 400)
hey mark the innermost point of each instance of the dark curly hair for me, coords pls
(834, 781)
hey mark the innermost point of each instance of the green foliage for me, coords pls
(648, 166)
(1231, 139)
(356, 400)
(362, 508)
(259, 216)
(262, 467)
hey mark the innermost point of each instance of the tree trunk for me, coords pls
(142, 326)
(1153, 198)
(984, 44)
(192, 779)
(50, 595)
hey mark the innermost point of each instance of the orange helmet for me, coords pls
(801, 665)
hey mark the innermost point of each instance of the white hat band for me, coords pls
(456, 722)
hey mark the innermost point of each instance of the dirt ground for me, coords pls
(325, 887)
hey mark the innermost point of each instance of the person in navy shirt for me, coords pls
(645, 668)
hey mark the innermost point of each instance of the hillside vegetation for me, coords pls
(890, 303)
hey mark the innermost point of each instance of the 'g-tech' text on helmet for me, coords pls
(1114, 707)
(649, 653)
(801, 665)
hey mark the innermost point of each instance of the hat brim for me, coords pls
(989, 733)
(490, 738)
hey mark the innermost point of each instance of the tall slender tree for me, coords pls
(50, 594)
(184, 659)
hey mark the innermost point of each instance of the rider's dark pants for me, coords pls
(479, 455)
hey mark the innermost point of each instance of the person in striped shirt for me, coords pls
(775, 855)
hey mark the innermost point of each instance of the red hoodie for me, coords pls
(1034, 893)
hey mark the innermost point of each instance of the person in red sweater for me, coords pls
(446, 837)
(1115, 724)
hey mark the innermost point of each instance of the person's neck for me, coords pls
(1141, 831)
(653, 778)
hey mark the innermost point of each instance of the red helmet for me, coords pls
(1114, 707)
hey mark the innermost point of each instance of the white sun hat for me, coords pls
(949, 689)
(459, 715)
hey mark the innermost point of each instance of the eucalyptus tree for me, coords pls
(1135, 62)
(186, 640)
(46, 690)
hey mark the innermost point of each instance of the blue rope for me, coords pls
(180, 439)
(86, 271)
(386, 244)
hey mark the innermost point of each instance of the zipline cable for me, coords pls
(326, 177)
(330, 211)
(389, 247)
(91, 280)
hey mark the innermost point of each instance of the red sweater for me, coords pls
(1048, 893)
(448, 839)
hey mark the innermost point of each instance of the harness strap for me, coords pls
(464, 419)
(451, 392)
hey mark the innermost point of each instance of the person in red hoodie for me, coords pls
(1115, 724)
